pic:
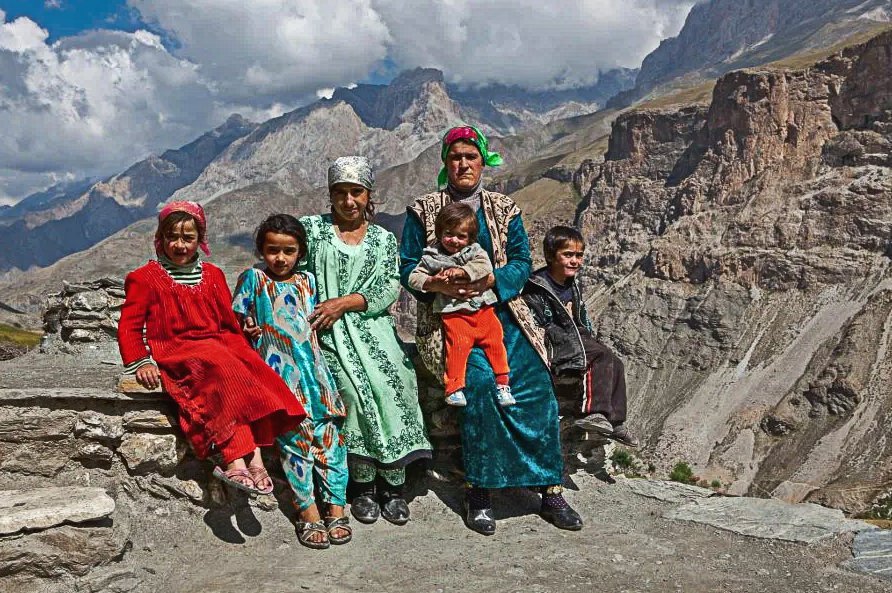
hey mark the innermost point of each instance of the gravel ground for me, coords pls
(626, 546)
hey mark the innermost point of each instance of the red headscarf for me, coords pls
(194, 210)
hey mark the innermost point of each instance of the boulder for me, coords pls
(42, 508)
(59, 552)
(872, 551)
(769, 519)
(93, 300)
(145, 453)
(94, 426)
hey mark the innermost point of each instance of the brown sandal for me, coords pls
(228, 477)
(259, 474)
(342, 523)
(305, 531)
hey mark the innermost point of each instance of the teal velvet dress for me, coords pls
(517, 445)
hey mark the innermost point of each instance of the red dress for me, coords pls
(216, 379)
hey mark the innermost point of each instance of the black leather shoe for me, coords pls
(365, 508)
(565, 518)
(395, 510)
(480, 520)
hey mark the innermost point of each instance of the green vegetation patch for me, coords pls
(18, 336)
(683, 473)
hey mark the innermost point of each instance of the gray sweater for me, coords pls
(472, 259)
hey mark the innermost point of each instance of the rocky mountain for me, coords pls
(44, 200)
(740, 259)
(392, 124)
(56, 223)
(723, 35)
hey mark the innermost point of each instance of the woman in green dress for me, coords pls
(355, 264)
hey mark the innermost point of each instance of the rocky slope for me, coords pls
(740, 252)
(722, 35)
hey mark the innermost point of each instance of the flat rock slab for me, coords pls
(769, 519)
(667, 491)
(42, 508)
(873, 553)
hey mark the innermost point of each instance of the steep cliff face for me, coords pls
(741, 251)
(721, 35)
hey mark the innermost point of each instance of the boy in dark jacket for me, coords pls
(584, 371)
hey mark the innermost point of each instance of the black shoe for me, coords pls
(565, 518)
(624, 436)
(395, 510)
(365, 508)
(480, 520)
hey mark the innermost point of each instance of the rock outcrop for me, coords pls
(723, 35)
(740, 252)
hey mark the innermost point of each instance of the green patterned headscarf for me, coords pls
(474, 136)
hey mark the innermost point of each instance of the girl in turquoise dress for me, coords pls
(273, 305)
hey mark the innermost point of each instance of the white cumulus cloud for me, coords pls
(94, 103)
(255, 50)
(89, 104)
(529, 42)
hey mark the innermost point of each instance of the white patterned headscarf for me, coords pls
(352, 169)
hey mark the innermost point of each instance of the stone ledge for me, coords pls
(87, 394)
(129, 384)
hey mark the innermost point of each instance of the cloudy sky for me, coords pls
(88, 87)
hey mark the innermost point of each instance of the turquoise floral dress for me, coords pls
(314, 456)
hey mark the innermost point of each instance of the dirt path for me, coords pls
(625, 547)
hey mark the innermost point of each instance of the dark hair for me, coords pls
(557, 237)
(454, 214)
(172, 220)
(284, 224)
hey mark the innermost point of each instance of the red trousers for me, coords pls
(241, 443)
(462, 330)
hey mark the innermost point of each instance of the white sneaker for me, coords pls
(503, 395)
(456, 398)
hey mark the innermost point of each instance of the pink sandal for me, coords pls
(226, 476)
(258, 475)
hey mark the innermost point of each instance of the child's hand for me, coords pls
(250, 328)
(148, 376)
(454, 274)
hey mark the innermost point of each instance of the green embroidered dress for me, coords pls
(375, 377)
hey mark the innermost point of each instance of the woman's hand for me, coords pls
(327, 312)
(148, 376)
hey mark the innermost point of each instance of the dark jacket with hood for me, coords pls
(565, 334)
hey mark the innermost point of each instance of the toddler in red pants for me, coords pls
(467, 322)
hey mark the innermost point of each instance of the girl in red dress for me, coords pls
(229, 400)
